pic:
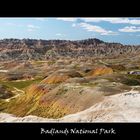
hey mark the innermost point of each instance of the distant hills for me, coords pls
(32, 49)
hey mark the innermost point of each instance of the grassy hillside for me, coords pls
(20, 84)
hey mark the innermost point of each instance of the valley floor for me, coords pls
(71, 90)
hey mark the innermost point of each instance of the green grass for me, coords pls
(20, 84)
(61, 91)
(133, 76)
(131, 82)
(39, 62)
(51, 63)
(76, 66)
(89, 84)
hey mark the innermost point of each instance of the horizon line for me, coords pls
(68, 40)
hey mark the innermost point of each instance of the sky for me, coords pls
(121, 30)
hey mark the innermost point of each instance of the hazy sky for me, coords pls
(122, 30)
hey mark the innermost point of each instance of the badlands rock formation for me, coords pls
(68, 81)
(122, 107)
(31, 49)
